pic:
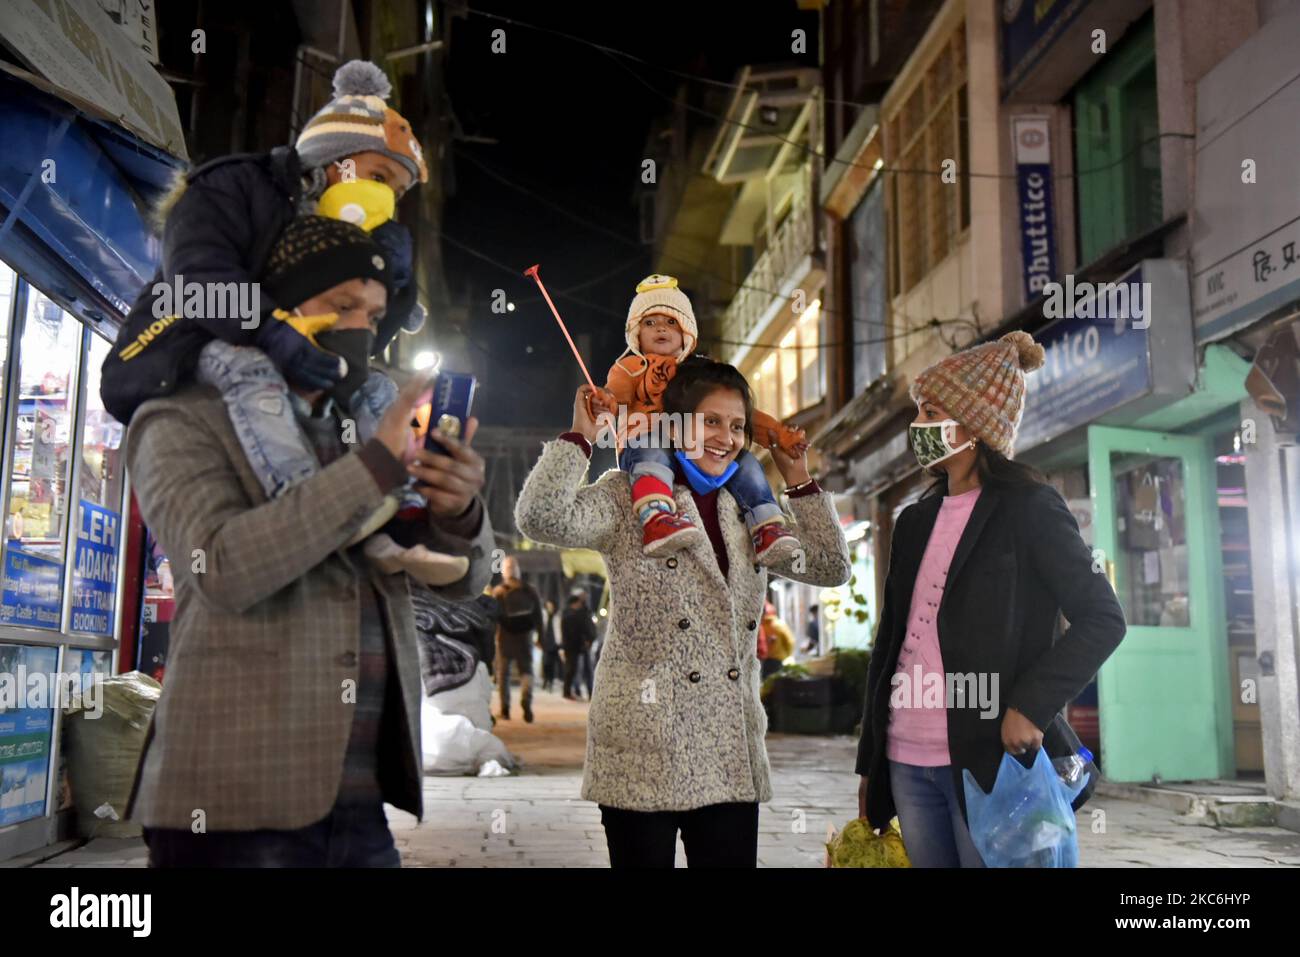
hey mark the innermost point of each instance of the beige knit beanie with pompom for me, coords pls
(983, 387)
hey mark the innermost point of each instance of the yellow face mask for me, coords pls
(362, 202)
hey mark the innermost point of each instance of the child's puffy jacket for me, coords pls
(643, 392)
(226, 216)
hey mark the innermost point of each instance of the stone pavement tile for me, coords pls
(814, 787)
(103, 852)
(549, 825)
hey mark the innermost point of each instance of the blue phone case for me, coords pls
(453, 397)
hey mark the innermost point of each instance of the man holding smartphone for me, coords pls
(291, 712)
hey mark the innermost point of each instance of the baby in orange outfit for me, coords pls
(661, 332)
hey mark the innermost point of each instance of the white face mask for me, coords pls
(931, 444)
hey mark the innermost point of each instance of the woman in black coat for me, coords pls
(965, 666)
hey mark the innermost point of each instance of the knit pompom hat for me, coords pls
(358, 120)
(659, 294)
(983, 387)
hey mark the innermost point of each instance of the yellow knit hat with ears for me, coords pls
(660, 294)
(983, 387)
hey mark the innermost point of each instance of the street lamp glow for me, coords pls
(425, 360)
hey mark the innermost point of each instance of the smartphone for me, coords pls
(453, 397)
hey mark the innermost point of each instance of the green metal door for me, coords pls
(1163, 694)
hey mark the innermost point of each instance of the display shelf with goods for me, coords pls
(49, 350)
(64, 474)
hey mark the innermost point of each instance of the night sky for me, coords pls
(571, 126)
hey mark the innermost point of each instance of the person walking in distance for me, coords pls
(521, 616)
(813, 631)
(779, 642)
(549, 642)
(578, 635)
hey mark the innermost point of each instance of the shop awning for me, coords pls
(74, 195)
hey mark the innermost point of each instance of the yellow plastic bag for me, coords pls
(857, 845)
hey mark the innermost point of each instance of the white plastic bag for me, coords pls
(455, 729)
(472, 699)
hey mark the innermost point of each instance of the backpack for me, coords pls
(518, 610)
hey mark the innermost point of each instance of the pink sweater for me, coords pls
(919, 734)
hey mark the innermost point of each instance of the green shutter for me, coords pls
(1117, 152)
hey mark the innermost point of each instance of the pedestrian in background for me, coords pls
(779, 643)
(813, 632)
(548, 641)
(521, 618)
(578, 635)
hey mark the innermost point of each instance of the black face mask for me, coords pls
(354, 346)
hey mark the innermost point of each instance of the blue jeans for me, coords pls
(929, 813)
(349, 836)
(257, 399)
(747, 485)
(370, 403)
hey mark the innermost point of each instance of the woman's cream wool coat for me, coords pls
(675, 721)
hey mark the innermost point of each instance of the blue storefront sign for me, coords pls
(1032, 139)
(24, 735)
(1092, 366)
(1029, 28)
(94, 571)
(33, 592)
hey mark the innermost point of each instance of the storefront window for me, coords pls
(811, 384)
(1150, 515)
(51, 345)
(36, 520)
(99, 518)
(101, 439)
(869, 291)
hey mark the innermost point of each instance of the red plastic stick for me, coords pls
(532, 271)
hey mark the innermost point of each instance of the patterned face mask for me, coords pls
(930, 442)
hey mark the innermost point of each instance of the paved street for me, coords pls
(536, 819)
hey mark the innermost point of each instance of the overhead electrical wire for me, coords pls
(599, 227)
(921, 327)
(617, 55)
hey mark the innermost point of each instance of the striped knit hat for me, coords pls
(358, 120)
(660, 294)
(983, 387)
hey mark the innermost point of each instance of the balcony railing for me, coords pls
(752, 306)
